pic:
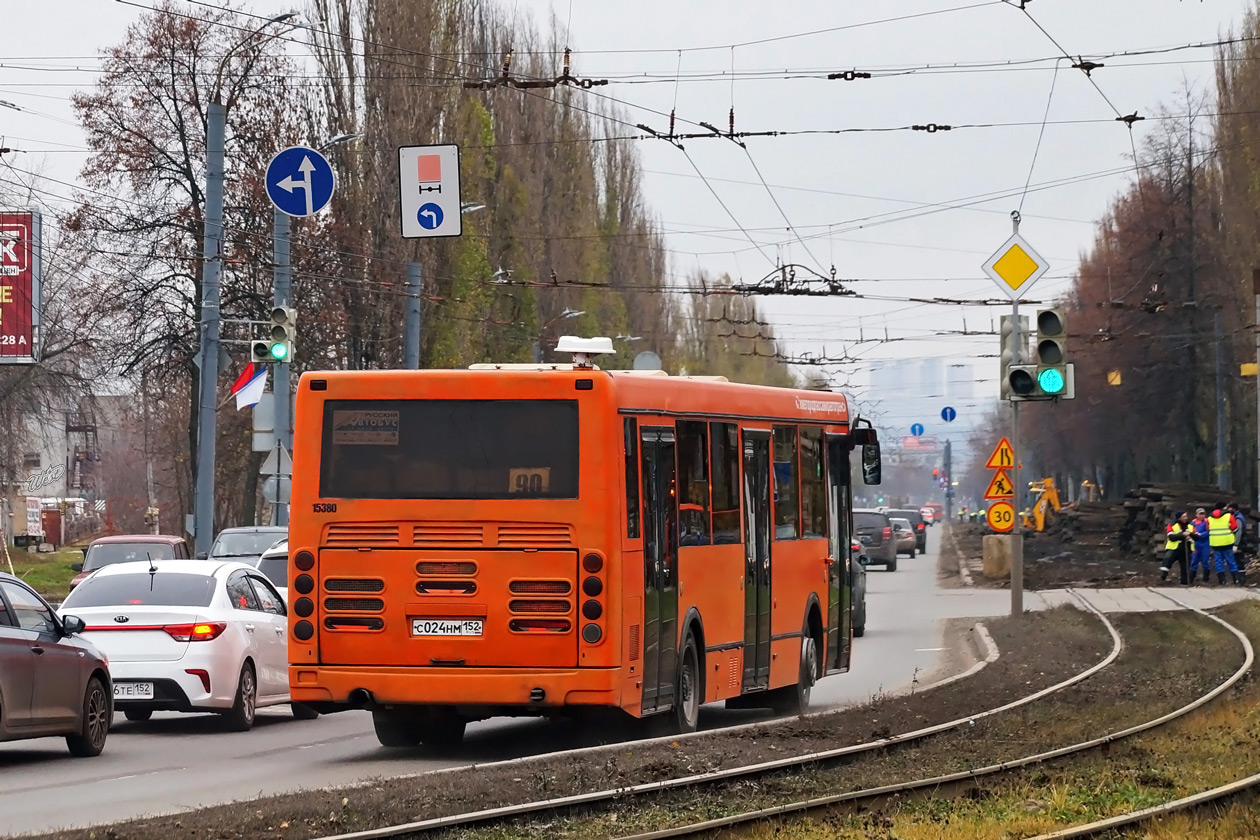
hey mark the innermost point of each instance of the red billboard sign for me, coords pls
(20, 277)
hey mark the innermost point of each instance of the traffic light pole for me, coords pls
(280, 388)
(1017, 538)
(203, 503)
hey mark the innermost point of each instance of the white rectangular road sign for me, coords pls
(428, 180)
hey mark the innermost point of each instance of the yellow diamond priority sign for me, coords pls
(1015, 267)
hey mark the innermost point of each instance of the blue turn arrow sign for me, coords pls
(300, 181)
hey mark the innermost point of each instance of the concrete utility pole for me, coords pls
(1017, 538)
(411, 332)
(203, 507)
(281, 289)
(1222, 458)
(949, 482)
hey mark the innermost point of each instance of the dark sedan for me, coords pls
(52, 682)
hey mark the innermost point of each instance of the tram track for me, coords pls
(701, 780)
(802, 807)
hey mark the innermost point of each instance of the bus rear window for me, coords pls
(449, 449)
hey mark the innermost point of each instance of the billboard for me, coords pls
(20, 286)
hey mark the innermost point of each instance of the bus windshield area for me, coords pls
(449, 449)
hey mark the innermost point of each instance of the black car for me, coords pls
(873, 530)
(916, 522)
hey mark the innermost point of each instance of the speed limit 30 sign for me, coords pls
(1001, 517)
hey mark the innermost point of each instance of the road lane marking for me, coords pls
(928, 650)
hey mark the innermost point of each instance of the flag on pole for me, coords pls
(250, 385)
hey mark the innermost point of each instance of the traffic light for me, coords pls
(1016, 380)
(278, 349)
(1052, 367)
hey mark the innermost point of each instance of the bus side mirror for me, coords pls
(872, 464)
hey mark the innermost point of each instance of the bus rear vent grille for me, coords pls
(634, 642)
(351, 535)
(426, 567)
(733, 672)
(447, 533)
(354, 585)
(540, 587)
(529, 535)
(354, 604)
(539, 606)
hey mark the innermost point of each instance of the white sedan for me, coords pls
(188, 636)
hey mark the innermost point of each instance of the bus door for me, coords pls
(757, 528)
(839, 541)
(660, 562)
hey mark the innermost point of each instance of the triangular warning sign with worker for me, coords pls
(1003, 458)
(1000, 487)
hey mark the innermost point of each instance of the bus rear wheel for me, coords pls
(395, 727)
(688, 690)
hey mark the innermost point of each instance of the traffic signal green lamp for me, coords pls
(1052, 366)
(281, 334)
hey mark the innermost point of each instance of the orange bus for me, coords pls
(552, 539)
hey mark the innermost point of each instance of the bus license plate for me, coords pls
(446, 626)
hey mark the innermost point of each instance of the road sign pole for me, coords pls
(411, 330)
(203, 504)
(283, 400)
(1017, 537)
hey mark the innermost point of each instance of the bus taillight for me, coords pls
(592, 587)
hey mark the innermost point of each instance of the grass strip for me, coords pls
(1160, 670)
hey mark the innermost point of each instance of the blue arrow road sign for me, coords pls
(948, 414)
(430, 216)
(916, 429)
(300, 181)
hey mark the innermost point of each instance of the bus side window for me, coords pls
(787, 503)
(693, 483)
(632, 478)
(813, 499)
(724, 461)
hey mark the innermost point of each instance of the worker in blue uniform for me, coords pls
(1202, 555)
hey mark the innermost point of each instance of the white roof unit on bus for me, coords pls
(583, 348)
(519, 366)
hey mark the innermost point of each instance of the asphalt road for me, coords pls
(176, 762)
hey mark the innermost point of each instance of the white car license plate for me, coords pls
(446, 626)
(133, 691)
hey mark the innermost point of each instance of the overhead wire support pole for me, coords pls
(1255, 288)
(281, 394)
(1017, 538)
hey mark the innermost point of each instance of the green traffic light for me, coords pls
(1050, 381)
(279, 351)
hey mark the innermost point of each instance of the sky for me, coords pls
(871, 204)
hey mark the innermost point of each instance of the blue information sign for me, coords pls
(916, 429)
(300, 181)
(948, 414)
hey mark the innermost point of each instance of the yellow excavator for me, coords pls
(1045, 498)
